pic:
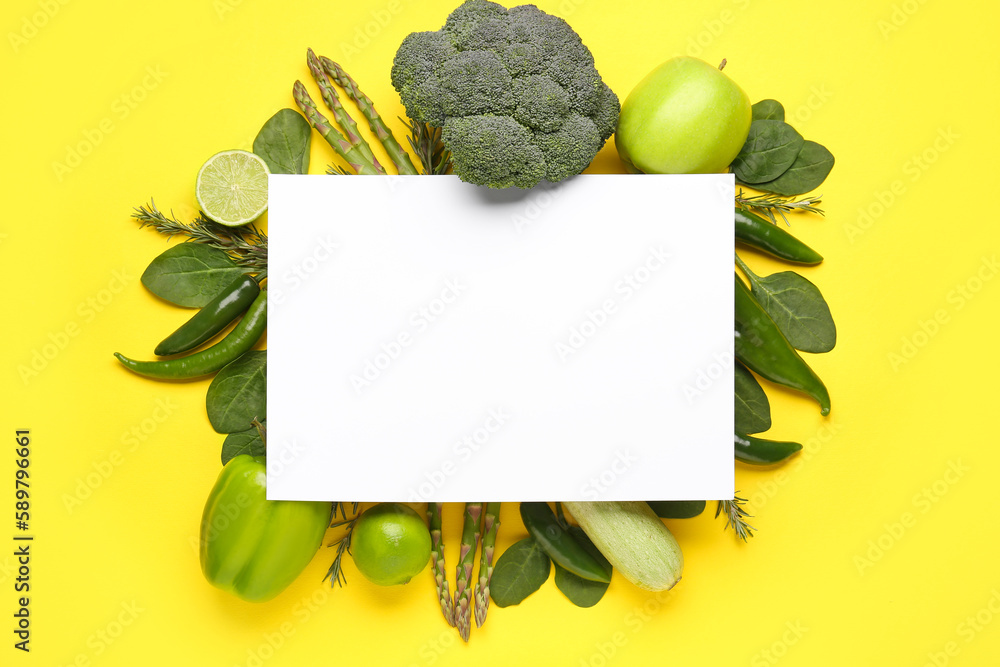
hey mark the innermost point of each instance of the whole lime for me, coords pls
(390, 544)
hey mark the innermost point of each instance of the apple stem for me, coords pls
(722, 64)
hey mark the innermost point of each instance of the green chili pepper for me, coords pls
(760, 452)
(253, 547)
(763, 349)
(213, 318)
(757, 232)
(677, 509)
(560, 546)
(243, 337)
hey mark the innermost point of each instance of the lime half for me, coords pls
(232, 187)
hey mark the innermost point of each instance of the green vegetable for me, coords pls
(633, 539)
(250, 442)
(677, 509)
(340, 115)
(463, 577)
(238, 394)
(581, 592)
(491, 526)
(770, 149)
(190, 274)
(520, 571)
(283, 143)
(752, 411)
(515, 92)
(561, 547)
(768, 110)
(400, 159)
(243, 337)
(810, 169)
(437, 562)
(253, 547)
(217, 314)
(757, 451)
(763, 349)
(758, 233)
(797, 307)
(350, 150)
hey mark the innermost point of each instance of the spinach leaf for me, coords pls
(238, 394)
(283, 143)
(753, 412)
(798, 308)
(244, 442)
(581, 592)
(807, 173)
(190, 274)
(768, 110)
(519, 572)
(770, 149)
(677, 509)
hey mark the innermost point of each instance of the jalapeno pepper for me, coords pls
(760, 452)
(213, 318)
(560, 546)
(763, 349)
(253, 547)
(243, 337)
(757, 232)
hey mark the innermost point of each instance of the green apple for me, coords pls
(685, 117)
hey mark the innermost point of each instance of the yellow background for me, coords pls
(877, 546)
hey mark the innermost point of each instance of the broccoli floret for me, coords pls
(494, 150)
(515, 91)
(475, 83)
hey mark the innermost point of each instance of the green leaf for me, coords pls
(798, 308)
(770, 149)
(283, 143)
(243, 442)
(677, 509)
(190, 274)
(807, 173)
(519, 572)
(752, 411)
(768, 110)
(581, 592)
(238, 394)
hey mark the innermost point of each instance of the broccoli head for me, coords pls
(515, 92)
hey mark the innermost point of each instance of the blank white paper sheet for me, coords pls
(430, 340)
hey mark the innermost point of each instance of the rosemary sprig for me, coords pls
(767, 204)
(736, 517)
(336, 574)
(426, 143)
(247, 245)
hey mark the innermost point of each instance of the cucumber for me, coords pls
(634, 541)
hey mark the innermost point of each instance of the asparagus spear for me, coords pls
(342, 146)
(378, 127)
(332, 100)
(463, 578)
(437, 562)
(491, 526)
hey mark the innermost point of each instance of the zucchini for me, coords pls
(633, 539)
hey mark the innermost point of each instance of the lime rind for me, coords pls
(231, 188)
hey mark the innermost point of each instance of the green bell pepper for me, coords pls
(253, 547)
